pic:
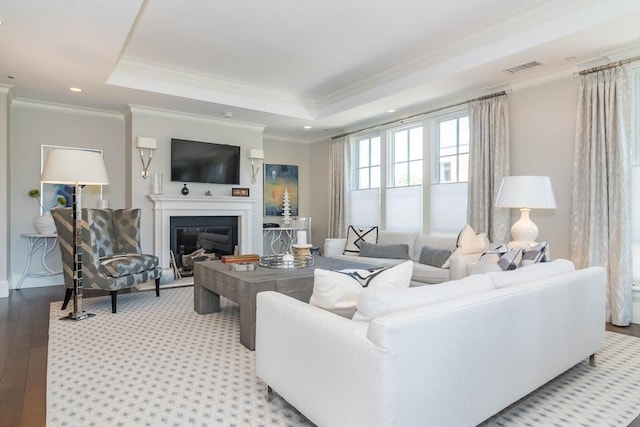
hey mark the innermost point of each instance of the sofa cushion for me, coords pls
(468, 243)
(338, 291)
(503, 279)
(356, 236)
(424, 274)
(376, 302)
(434, 257)
(125, 264)
(397, 238)
(376, 250)
(436, 242)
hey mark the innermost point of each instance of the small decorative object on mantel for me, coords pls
(208, 193)
(240, 192)
(185, 190)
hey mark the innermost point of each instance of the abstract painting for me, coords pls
(277, 178)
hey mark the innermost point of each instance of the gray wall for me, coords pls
(33, 125)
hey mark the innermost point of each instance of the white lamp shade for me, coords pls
(533, 192)
(146, 142)
(74, 167)
(255, 153)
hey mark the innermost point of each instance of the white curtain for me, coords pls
(339, 171)
(600, 192)
(488, 164)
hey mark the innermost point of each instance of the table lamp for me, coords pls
(75, 167)
(525, 193)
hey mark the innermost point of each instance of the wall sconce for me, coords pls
(150, 144)
(256, 157)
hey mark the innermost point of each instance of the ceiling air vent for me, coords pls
(523, 67)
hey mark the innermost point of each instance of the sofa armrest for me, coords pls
(458, 265)
(306, 354)
(334, 247)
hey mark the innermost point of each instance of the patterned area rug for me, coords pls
(158, 363)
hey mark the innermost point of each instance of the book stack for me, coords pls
(230, 259)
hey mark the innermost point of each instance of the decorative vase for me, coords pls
(44, 224)
(185, 190)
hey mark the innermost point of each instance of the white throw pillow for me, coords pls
(356, 236)
(376, 302)
(503, 279)
(468, 243)
(338, 291)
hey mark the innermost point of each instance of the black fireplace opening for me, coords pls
(202, 235)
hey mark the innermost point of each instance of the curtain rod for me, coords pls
(607, 66)
(480, 98)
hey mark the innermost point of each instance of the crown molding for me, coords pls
(143, 75)
(159, 112)
(65, 108)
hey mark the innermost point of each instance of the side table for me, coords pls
(35, 241)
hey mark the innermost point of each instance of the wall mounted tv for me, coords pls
(194, 161)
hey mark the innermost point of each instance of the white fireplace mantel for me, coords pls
(164, 207)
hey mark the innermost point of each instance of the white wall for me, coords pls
(543, 121)
(31, 126)
(164, 125)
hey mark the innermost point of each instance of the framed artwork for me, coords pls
(91, 194)
(277, 178)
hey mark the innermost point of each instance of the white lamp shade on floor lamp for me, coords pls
(525, 193)
(77, 168)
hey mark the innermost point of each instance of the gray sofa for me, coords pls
(422, 273)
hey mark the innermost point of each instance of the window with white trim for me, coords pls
(453, 150)
(412, 177)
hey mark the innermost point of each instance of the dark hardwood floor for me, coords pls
(24, 326)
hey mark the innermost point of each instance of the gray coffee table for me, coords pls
(212, 279)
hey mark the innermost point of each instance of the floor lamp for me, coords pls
(77, 168)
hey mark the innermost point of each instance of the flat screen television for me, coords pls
(194, 161)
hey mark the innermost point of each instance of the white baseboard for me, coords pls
(635, 315)
(4, 289)
(37, 281)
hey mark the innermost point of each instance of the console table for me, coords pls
(280, 239)
(35, 241)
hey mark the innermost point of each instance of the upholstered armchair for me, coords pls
(112, 258)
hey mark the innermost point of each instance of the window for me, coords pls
(389, 169)
(368, 162)
(453, 150)
(407, 157)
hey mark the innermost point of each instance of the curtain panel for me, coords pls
(488, 164)
(339, 172)
(600, 191)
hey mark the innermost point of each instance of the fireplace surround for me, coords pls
(165, 207)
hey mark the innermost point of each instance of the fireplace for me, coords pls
(167, 207)
(206, 234)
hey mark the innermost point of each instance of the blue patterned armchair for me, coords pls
(112, 258)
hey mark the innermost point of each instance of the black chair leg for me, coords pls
(158, 287)
(67, 297)
(114, 297)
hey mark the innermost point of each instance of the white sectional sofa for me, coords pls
(455, 362)
(422, 273)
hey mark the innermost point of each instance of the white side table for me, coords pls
(280, 239)
(35, 241)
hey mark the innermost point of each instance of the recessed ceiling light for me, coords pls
(391, 110)
(228, 114)
(75, 89)
(307, 127)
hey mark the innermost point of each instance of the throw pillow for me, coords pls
(434, 257)
(338, 291)
(356, 236)
(376, 302)
(468, 243)
(503, 279)
(372, 250)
